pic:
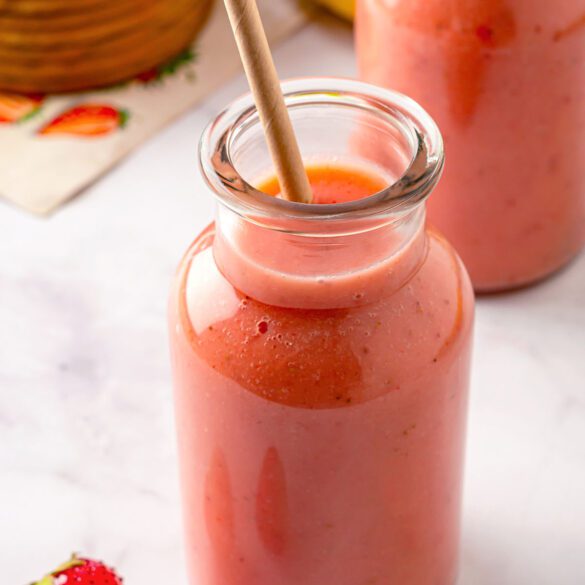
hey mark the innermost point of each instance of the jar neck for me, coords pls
(320, 271)
(333, 254)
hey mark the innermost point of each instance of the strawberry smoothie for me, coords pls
(321, 368)
(505, 80)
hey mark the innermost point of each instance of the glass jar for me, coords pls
(505, 81)
(321, 358)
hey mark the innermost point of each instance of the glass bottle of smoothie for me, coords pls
(505, 81)
(321, 353)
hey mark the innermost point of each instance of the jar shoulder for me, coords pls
(319, 358)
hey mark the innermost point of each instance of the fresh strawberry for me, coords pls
(79, 571)
(17, 108)
(148, 76)
(87, 120)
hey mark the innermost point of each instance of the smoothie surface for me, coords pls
(335, 183)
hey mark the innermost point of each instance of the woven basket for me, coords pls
(50, 46)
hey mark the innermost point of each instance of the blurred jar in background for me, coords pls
(505, 80)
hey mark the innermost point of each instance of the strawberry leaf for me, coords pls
(48, 580)
(74, 561)
(30, 115)
(174, 64)
(123, 117)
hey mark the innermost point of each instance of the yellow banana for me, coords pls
(343, 8)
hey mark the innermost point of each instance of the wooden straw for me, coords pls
(265, 85)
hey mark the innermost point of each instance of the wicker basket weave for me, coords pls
(50, 46)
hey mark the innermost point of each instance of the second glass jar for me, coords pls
(505, 81)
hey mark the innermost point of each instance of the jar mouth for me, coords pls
(410, 188)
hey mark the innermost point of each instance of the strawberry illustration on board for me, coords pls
(87, 120)
(167, 68)
(18, 108)
(81, 571)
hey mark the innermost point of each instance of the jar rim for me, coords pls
(410, 189)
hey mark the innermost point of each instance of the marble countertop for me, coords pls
(87, 451)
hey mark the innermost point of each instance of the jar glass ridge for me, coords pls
(412, 126)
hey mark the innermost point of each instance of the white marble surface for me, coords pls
(87, 453)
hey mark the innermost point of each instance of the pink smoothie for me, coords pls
(505, 81)
(321, 421)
